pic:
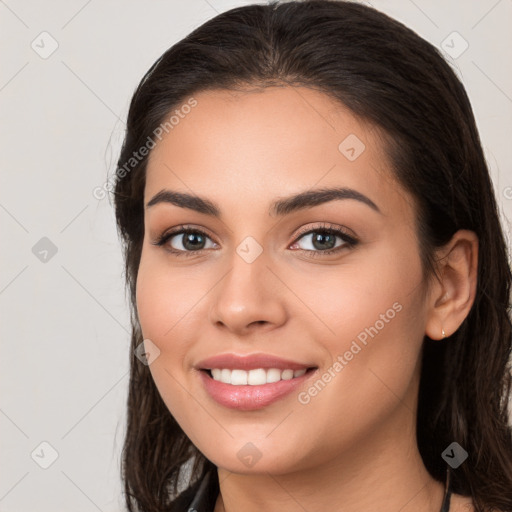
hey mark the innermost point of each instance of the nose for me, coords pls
(248, 298)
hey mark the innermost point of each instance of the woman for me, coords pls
(318, 275)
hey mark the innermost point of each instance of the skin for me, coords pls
(355, 440)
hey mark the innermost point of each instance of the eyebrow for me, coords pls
(280, 207)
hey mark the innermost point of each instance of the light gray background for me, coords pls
(64, 322)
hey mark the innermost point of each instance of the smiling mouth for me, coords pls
(255, 377)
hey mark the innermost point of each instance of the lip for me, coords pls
(250, 362)
(247, 397)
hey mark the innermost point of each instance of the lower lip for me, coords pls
(249, 398)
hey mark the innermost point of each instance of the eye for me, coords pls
(183, 241)
(321, 240)
(187, 241)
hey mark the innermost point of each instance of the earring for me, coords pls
(443, 333)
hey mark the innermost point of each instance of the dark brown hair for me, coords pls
(389, 76)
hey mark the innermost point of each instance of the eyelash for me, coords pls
(330, 229)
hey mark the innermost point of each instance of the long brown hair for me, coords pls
(386, 74)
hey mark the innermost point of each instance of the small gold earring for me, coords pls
(443, 333)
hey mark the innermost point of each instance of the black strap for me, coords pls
(206, 494)
(445, 507)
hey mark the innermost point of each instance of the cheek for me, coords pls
(165, 299)
(375, 314)
(392, 318)
(368, 289)
(169, 311)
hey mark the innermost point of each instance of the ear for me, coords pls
(453, 292)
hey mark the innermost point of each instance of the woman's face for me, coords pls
(267, 280)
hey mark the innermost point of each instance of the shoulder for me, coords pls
(460, 503)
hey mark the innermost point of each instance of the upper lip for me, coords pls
(250, 362)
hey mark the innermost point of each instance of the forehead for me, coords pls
(249, 147)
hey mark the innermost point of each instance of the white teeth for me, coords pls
(287, 374)
(255, 377)
(225, 376)
(273, 375)
(238, 377)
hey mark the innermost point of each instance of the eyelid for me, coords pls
(327, 226)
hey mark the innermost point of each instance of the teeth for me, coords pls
(299, 373)
(273, 375)
(255, 377)
(225, 376)
(238, 377)
(287, 374)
